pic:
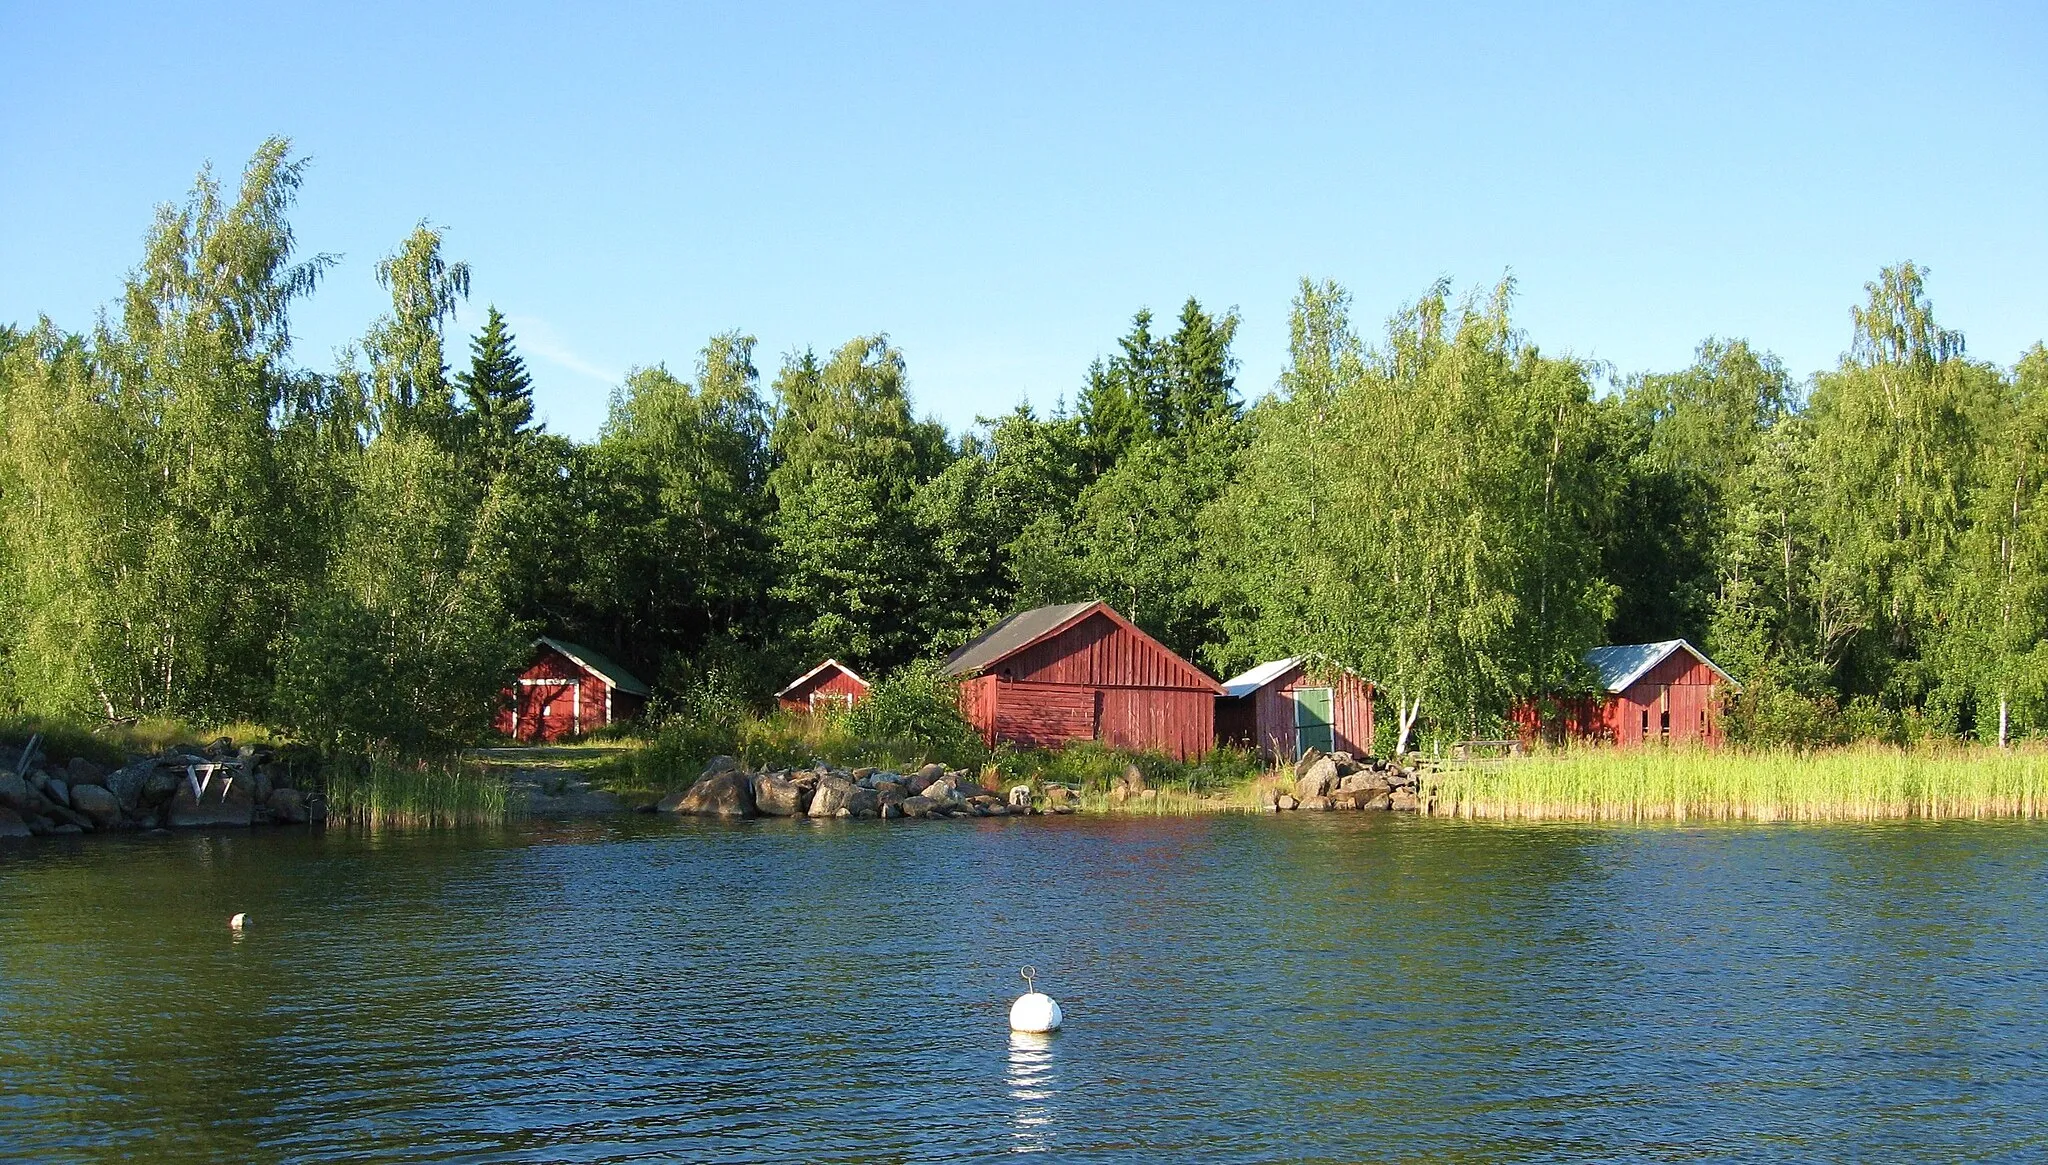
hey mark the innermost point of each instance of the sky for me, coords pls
(999, 187)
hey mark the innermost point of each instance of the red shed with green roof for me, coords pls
(568, 690)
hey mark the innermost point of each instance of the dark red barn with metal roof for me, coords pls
(1666, 692)
(568, 690)
(1080, 671)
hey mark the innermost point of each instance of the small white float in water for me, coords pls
(1034, 1011)
(238, 923)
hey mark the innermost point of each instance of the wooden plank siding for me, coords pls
(1096, 678)
(1264, 720)
(1096, 651)
(555, 697)
(1682, 684)
(833, 687)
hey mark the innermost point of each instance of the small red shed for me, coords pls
(829, 685)
(1667, 692)
(568, 690)
(1080, 671)
(1284, 708)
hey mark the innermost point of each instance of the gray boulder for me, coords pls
(725, 793)
(1269, 799)
(288, 806)
(890, 809)
(1368, 783)
(57, 790)
(97, 803)
(1307, 759)
(127, 783)
(776, 795)
(1133, 778)
(224, 802)
(161, 785)
(16, 795)
(11, 824)
(1403, 801)
(831, 796)
(932, 772)
(1287, 802)
(84, 772)
(918, 805)
(1320, 778)
(1318, 804)
(862, 802)
(1382, 802)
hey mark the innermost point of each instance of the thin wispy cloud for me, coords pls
(539, 340)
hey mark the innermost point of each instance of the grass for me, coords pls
(1866, 783)
(376, 795)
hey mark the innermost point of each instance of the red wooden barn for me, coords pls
(1284, 708)
(1080, 671)
(568, 690)
(829, 685)
(1666, 692)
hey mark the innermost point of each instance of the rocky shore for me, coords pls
(728, 789)
(219, 785)
(1339, 781)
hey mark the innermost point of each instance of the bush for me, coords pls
(916, 710)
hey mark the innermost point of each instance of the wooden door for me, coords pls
(1314, 719)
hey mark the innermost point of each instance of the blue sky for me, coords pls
(1000, 187)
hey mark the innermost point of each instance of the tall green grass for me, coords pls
(378, 795)
(1867, 783)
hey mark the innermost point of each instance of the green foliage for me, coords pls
(918, 706)
(1423, 514)
(194, 529)
(404, 647)
(498, 389)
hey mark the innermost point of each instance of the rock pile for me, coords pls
(1340, 781)
(728, 788)
(219, 785)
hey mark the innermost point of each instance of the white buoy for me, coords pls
(1034, 1011)
(238, 923)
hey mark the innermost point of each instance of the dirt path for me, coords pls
(551, 781)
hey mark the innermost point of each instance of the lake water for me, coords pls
(1326, 988)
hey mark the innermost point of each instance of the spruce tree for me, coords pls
(499, 390)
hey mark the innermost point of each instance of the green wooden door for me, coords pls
(1313, 720)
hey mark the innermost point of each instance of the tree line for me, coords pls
(195, 525)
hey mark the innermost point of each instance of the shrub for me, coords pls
(917, 709)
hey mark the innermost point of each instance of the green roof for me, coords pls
(599, 665)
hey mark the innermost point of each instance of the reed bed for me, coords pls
(1849, 784)
(377, 795)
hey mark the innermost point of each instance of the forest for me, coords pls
(195, 525)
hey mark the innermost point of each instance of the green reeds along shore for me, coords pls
(1850, 784)
(380, 796)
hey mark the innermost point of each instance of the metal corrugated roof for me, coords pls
(1258, 677)
(1010, 635)
(1622, 664)
(598, 665)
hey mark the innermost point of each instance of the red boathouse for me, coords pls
(568, 690)
(829, 685)
(1666, 692)
(1284, 708)
(1080, 671)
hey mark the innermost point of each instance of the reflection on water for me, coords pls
(1334, 988)
(1033, 1087)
